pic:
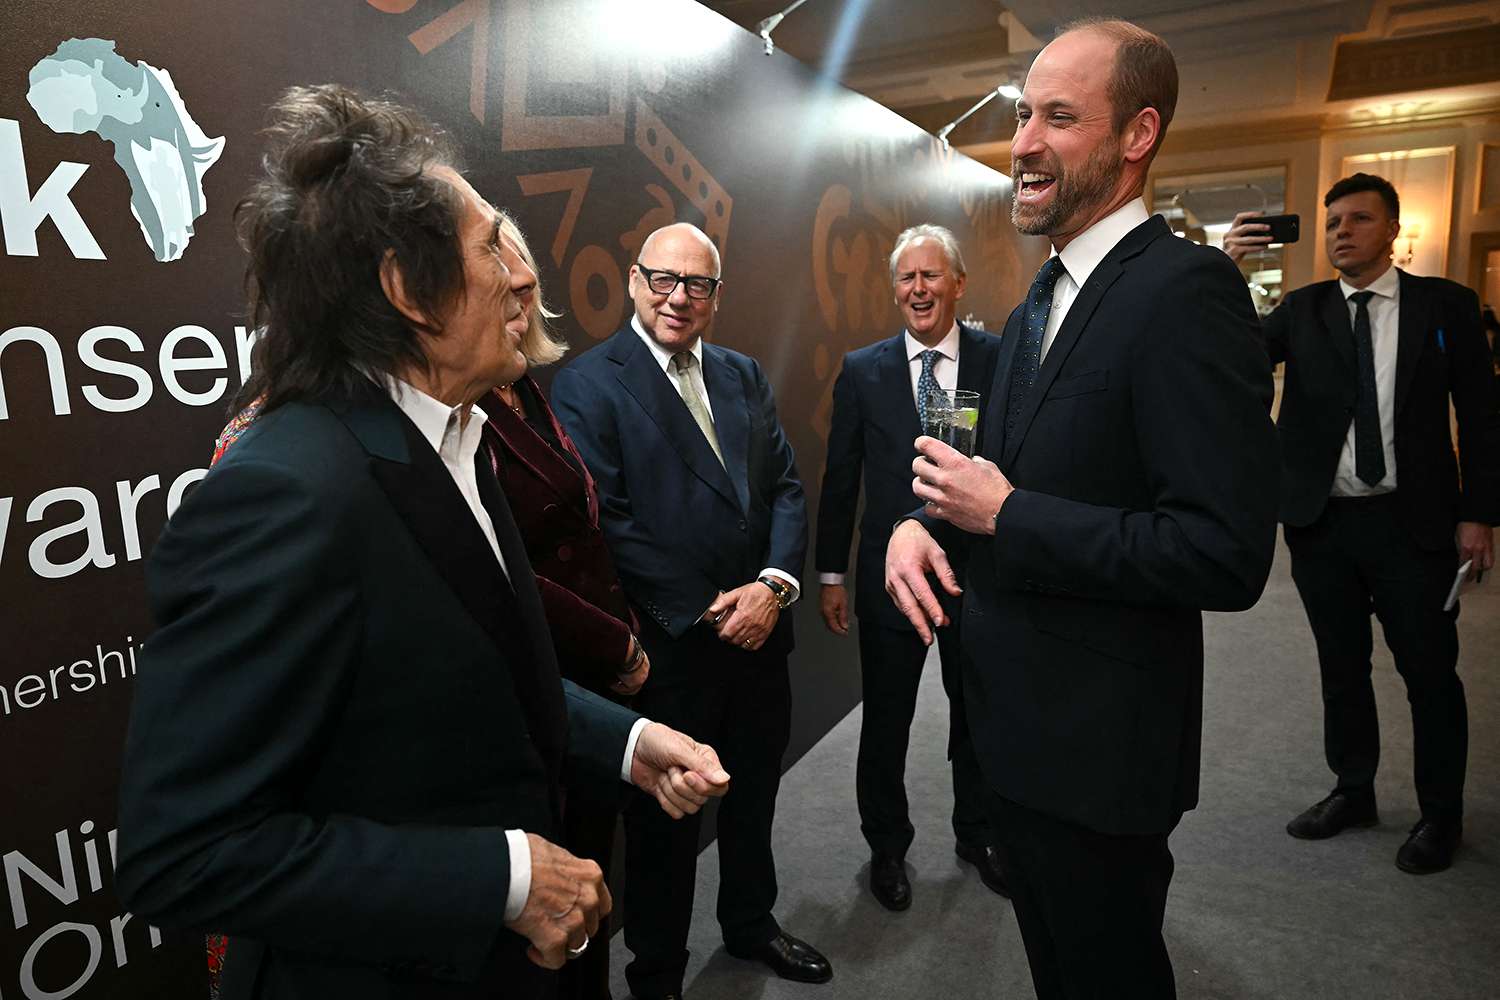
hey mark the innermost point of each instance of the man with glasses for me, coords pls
(706, 520)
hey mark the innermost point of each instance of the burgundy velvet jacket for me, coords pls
(557, 511)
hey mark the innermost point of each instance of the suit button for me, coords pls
(742, 525)
(564, 552)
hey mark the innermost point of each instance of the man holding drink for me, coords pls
(886, 394)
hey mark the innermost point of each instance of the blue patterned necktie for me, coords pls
(1369, 449)
(1028, 357)
(926, 382)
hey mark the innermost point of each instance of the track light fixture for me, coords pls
(767, 26)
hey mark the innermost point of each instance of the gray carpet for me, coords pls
(1253, 913)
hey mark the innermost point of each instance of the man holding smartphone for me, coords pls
(1378, 514)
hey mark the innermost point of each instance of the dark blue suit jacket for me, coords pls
(680, 527)
(1145, 467)
(874, 424)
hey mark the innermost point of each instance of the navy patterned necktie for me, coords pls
(926, 382)
(1369, 449)
(1028, 357)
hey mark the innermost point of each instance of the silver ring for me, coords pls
(747, 643)
(576, 952)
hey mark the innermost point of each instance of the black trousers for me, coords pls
(740, 703)
(589, 815)
(1089, 906)
(1355, 559)
(890, 664)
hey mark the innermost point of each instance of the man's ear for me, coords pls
(393, 283)
(1141, 135)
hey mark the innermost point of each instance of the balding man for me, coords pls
(1128, 481)
(705, 517)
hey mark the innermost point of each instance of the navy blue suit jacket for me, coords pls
(1145, 466)
(874, 424)
(682, 527)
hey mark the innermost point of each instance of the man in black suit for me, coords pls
(705, 518)
(1128, 482)
(349, 731)
(877, 405)
(1378, 513)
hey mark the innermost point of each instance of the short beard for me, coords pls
(1090, 187)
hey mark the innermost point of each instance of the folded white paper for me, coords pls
(1458, 584)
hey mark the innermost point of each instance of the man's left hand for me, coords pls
(681, 773)
(965, 492)
(753, 612)
(1476, 542)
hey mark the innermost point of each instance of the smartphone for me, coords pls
(1284, 228)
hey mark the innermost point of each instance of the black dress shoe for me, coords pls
(790, 958)
(888, 882)
(987, 860)
(1430, 847)
(1336, 813)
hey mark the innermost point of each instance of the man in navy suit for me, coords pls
(705, 517)
(877, 405)
(1377, 511)
(1128, 481)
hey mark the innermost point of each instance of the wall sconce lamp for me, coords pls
(1007, 90)
(1412, 234)
(767, 26)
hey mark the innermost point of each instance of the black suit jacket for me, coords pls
(344, 707)
(682, 527)
(1441, 350)
(874, 424)
(1145, 470)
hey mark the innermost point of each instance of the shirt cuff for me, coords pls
(831, 579)
(789, 578)
(520, 873)
(635, 734)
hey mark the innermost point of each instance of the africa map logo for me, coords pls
(85, 86)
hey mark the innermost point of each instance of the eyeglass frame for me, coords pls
(681, 279)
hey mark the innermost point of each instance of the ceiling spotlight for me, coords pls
(1007, 90)
(767, 26)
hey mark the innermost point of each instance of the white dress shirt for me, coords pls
(945, 370)
(664, 359)
(456, 441)
(1385, 323)
(1082, 255)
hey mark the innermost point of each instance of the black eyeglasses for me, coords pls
(665, 282)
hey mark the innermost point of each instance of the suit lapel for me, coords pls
(524, 445)
(976, 374)
(893, 373)
(1412, 326)
(726, 398)
(1334, 311)
(998, 404)
(1079, 314)
(644, 379)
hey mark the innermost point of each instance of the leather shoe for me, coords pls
(987, 860)
(790, 958)
(1430, 847)
(1339, 811)
(888, 882)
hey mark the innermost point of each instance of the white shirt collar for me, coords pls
(437, 420)
(947, 347)
(1091, 246)
(662, 355)
(1386, 286)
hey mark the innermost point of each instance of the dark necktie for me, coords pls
(926, 383)
(1028, 357)
(1369, 449)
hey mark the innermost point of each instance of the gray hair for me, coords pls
(940, 235)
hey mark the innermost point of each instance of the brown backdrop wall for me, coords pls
(593, 122)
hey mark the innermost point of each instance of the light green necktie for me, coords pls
(683, 363)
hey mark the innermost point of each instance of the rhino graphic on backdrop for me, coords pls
(85, 86)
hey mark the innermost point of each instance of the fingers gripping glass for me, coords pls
(665, 282)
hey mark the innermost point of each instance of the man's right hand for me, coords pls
(567, 899)
(833, 602)
(1246, 236)
(909, 556)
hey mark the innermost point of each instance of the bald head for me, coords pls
(1144, 73)
(676, 319)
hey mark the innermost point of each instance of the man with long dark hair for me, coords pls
(366, 805)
